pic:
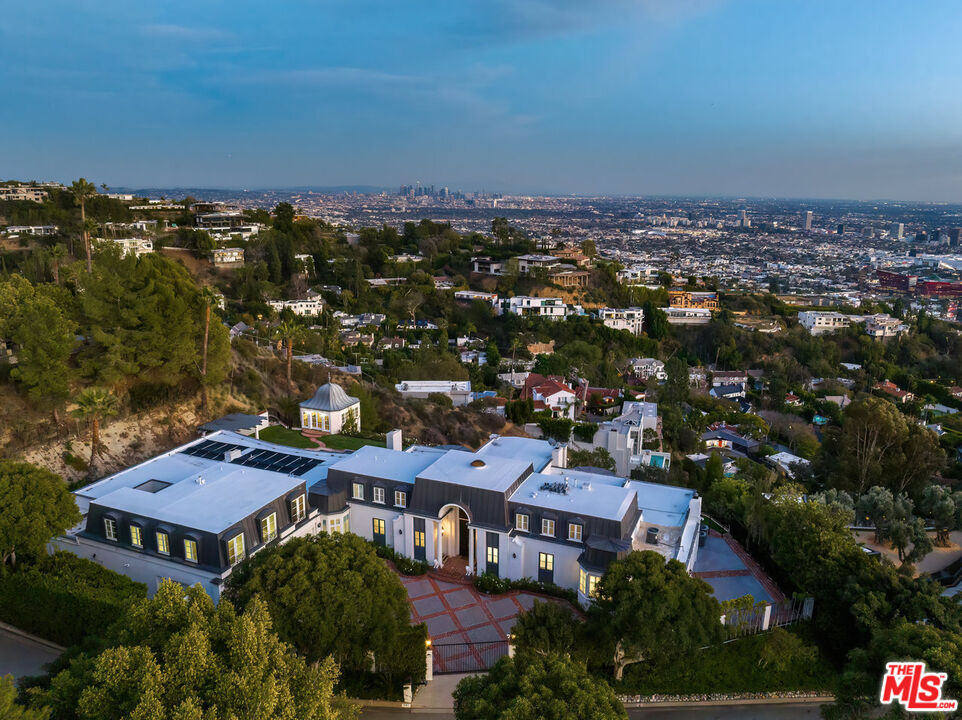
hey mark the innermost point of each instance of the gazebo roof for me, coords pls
(330, 398)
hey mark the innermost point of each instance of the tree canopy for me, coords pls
(540, 688)
(332, 595)
(35, 505)
(178, 656)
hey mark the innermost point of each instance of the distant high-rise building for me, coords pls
(921, 236)
(841, 229)
(955, 237)
(808, 219)
(936, 236)
(743, 219)
(897, 230)
(868, 231)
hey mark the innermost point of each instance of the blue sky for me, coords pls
(853, 98)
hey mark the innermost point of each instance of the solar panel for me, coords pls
(278, 462)
(211, 449)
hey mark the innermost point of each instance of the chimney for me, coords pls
(393, 440)
(559, 455)
(233, 454)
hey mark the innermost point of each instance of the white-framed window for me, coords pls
(190, 550)
(110, 529)
(136, 537)
(163, 543)
(400, 499)
(235, 549)
(545, 561)
(575, 531)
(335, 525)
(547, 527)
(379, 495)
(298, 508)
(269, 528)
(358, 491)
(588, 584)
(492, 555)
(521, 522)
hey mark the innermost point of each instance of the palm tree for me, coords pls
(82, 191)
(95, 404)
(57, 253)
(209, 299)
(290, 331)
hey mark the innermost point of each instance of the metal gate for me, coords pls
(468, 657)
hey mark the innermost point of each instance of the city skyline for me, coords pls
(693, 98)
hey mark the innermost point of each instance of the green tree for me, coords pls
(906, 529)
(35, 505)
(179, 656)
(878, 506)
(599, 457)
(945, 509)
(208, 299)
(10, 710)
(676, 388)
(543, 688)
(332, 595)
(289, 332)
(46, 339)
(82, 191)
(93, 405)
(548, 628)
(652, 610)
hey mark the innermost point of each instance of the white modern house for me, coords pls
(511, 508)
(331, 410)
(458, 390)
(551, 308)
(624, 438)
(687, 315)
(528, 264)
(630, 319)
(128, 246)
(469, 296)
(312, 305)
(647, 368)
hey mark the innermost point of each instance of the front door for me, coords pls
(379, 534)
(546, 568)
(420, 552)
(462, 534)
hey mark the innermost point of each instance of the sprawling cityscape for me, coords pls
(616, 414)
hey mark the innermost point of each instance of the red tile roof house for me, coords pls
(956, 392)
(890, 388)
(603, 400)
(792, 399)
(550, 393)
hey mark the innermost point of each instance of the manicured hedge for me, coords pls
(405, 565)
(494, 585)
(64, 598)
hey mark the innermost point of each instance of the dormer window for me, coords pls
(379, 495)
(547, 527)
(575, 531)
(269, 528)
(136, 538)
(110, 529)
(298, 508)
(521, 522)
(358, 491)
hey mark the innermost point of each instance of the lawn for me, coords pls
(282, 436)
(348, 442)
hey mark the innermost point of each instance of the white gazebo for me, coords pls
(331, 410)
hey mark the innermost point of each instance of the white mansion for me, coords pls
(511, 508)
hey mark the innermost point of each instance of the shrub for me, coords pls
(494, 585)
(557, 428)
(64, 598)
(405, 565)
(586, 431)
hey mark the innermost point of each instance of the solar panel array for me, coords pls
(277, 462)
(211, 449)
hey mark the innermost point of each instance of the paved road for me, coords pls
(740, 712)
(20, 656)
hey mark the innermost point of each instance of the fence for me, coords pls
(749, 621)
(468, 657)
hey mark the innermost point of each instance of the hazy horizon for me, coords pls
(682, 98)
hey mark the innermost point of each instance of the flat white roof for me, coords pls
(433, 386)
(587, 494)
(228, 493)
(537, 453)
(491, 473)
(387, 464)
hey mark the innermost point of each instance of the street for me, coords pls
(739, 712)
(21, 656)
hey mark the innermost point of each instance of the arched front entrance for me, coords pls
(456, 540)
